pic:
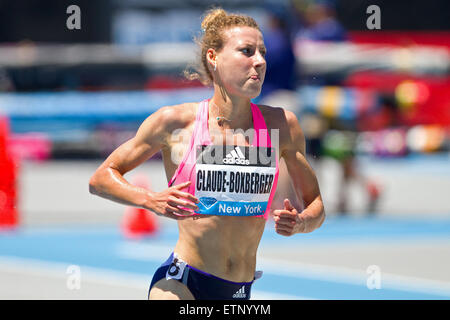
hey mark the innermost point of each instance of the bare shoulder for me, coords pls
(169, 118)
(162, 123)
(290, 133)
(278, 118)
(176, 116)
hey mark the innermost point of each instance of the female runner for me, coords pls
(221, 187)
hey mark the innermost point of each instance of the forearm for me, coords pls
(313, 215)
(108, 183)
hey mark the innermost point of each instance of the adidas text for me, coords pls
(236, 161)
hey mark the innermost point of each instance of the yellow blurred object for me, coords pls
(410, 93)
(330, 99)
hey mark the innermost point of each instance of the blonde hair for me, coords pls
(215, 21)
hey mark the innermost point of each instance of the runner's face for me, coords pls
(241, 64)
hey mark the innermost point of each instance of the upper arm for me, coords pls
(151, 137)
(293, 137)
(293, 151)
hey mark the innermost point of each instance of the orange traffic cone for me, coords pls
(138, 222)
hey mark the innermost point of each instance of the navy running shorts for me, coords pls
(202, 285)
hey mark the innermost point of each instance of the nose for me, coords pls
(259, 59)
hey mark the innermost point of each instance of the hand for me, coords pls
(288, 221)
(170, 202)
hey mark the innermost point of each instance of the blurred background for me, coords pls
(368, 80)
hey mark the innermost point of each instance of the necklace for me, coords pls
(218, 118)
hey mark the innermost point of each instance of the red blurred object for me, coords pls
(401, 38)
(30, 146)
(138, 222)
(374, 192)
(432, 105)
(4, 133)
(168, 82)
(8, 193)
(432, 99)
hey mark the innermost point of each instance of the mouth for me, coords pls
(255, 78)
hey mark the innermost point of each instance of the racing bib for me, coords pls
(234, 180)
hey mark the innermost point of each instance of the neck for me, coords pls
(234, 113)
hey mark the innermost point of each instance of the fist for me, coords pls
(288, 221)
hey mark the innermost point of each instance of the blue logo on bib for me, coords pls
(208, 201)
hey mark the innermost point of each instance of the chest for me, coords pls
(180, 141)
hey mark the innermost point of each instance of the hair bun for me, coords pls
(211, 16)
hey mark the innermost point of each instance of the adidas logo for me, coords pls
(236, 156)
(240, 293)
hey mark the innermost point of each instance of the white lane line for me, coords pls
(160, 252)
(58, 270)
(101, 276)
(353, 276)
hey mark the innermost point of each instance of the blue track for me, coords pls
(99, 247)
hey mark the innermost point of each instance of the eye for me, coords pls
(246, 51)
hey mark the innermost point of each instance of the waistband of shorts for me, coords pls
(218, 278)
(168, 261)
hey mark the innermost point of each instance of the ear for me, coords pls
(211, 56)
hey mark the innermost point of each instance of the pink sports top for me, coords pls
(230, 180)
